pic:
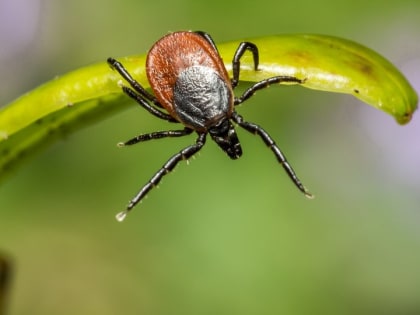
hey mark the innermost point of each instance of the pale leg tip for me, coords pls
(309, 195)
(121, 216)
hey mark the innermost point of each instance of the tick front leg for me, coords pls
(157, 135)
(256, 129)
(184, 154)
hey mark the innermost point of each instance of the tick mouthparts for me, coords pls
(225, 136)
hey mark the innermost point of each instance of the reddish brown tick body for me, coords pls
(191, 86)
(168, 59)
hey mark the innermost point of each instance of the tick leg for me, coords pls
(236, 64)
(264, 84)
(256, 129)
(166, 168)
(115, 64)
(208, 38)
(141, 100)
(157, 135)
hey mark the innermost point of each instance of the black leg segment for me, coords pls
(236, 63)
(264, 84)
(208, 38)
(143, 103)
(157, 135)
(256, 129)
(184, 154)
(115, 64)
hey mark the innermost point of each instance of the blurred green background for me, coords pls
(218, 236)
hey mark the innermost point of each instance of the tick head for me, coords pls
(225, 136)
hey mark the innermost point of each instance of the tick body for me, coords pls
(191, 86)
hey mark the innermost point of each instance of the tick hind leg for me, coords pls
(152, 110)
(256, 129)
(236, 62)
(208, 38)
(138, 93)
(184, 154)
(118, 66)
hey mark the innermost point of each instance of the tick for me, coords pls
(191, 86)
